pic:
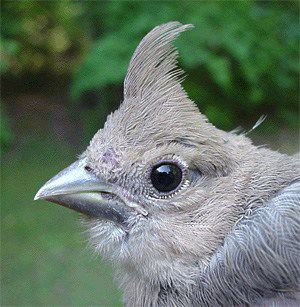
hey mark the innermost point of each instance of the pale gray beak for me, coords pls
(82, 191)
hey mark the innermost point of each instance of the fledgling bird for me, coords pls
(191, 215)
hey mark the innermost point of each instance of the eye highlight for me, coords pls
(166, 177)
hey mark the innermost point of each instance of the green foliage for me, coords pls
(105, 64)
(40, 36)
(241, 56)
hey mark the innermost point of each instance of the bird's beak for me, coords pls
(80, 190)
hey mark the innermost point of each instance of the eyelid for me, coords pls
(172, 158)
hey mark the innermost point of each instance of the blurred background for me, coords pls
(62, 66)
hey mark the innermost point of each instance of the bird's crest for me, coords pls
(155, 108)
(153, 66)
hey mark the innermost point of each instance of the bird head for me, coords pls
(158, 183)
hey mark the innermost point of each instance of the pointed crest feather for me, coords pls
(156, 109)
(153, 66)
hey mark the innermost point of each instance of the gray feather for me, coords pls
(230, 234)
(260, 258)
(153, 66)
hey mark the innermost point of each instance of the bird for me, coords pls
(189, 214)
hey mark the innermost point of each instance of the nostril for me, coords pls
(88, 168)
(113, 180)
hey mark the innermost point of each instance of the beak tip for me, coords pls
(38, 195)
(42, 193)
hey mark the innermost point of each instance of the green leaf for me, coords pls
(219, 67)
(106, 63)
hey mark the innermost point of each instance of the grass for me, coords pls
(44, 256)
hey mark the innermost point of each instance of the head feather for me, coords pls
(156, 110)
(153, 66)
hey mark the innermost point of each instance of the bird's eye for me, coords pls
(166, 177)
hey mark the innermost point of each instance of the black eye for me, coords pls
(166, 177)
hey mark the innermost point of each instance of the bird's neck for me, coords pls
(161, 290)
(159, 284)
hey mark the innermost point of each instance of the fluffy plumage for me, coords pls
(229, 235)
(223, 239)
